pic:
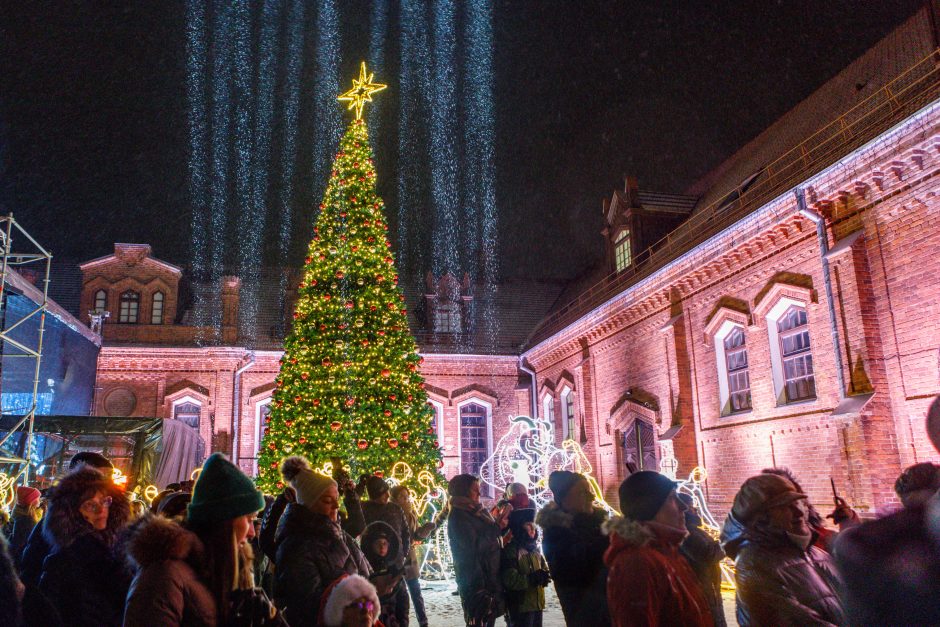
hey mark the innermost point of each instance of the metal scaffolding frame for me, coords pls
(12, 261)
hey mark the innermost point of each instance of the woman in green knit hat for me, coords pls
(199, 573)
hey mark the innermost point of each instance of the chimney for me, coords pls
(632, 190)
(230, 289)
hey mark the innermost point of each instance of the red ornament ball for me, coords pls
(336, 425)
(316, 402)
(350, 401)
(393, 443)
(379, 474)
(280, 484)
(404, 436)
(387, 412)
(362, 444)
(302, 441)
(350, 304)
(386, 372)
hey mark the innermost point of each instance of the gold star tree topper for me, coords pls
(362, 91)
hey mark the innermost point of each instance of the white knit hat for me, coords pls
(345, 592)
(308, 485)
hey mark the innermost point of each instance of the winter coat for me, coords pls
(84, 576)
(34, 553)
(649, 581)
(475, 547)
(704, 554)
(395, 605)
(891, 569)
(779, 584)
(312, 551)
(17, 531)
(518, 562)
(574, 547)
(353, 523)
(394, 516)
(166, 591)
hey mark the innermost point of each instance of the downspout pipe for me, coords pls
(237, 405)
(531, 373)
(827, 280)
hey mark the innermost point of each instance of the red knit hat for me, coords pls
(26, 496)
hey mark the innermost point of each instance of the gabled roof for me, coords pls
(141, 251)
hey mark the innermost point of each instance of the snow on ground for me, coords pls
(443, 607)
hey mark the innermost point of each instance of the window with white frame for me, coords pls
(188, 411)
(793, 330)
(622, 253)
(437, 418)
(548, 409)
(567, 414)
(262, 415)
(791, 352)
(474, 437)
(101, 300)
(156, 311)
(734, 381)
(130, 305)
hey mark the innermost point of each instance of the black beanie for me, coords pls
(560, 482)
(643, 493)
(376, 487)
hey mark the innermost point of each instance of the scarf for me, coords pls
(471, 507)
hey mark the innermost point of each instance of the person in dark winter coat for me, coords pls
(83, 576)
(24, 517)
(379, 508)
(524, 571)
(11, 589)
(475, 544)
(401, 495)
(650, 582)
(782, 578)
(574, 546)
(704, 555)
(37, 548)
(891, 567)
(312, 550)
(201, 574)
(380, 545)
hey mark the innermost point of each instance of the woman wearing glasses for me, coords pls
(83, 577)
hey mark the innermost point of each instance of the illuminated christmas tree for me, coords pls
(349, 385)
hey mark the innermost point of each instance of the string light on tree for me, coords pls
(349, 385)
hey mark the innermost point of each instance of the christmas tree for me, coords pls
(349, 385)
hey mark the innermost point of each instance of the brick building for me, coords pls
(783, 311)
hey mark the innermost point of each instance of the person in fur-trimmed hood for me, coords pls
(351, 601)
(380, 545)
(83, 576)
(650, 582)
(574, 545)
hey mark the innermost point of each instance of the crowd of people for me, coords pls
(331, 552)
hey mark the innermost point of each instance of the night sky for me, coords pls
(93, 130)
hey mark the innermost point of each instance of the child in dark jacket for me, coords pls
(524, 571)
(380, 544)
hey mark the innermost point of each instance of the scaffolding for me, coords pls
(28, 257)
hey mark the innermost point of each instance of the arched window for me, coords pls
(796, 357)
(548, 414)
(188, 412)
(474, 437)
(437, 418)
(262, 414)
(101, 300)
(156, 311)
(130, 305)
(567, 414)
(734, 381)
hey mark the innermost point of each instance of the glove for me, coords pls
(538, 578)
(252, 607)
